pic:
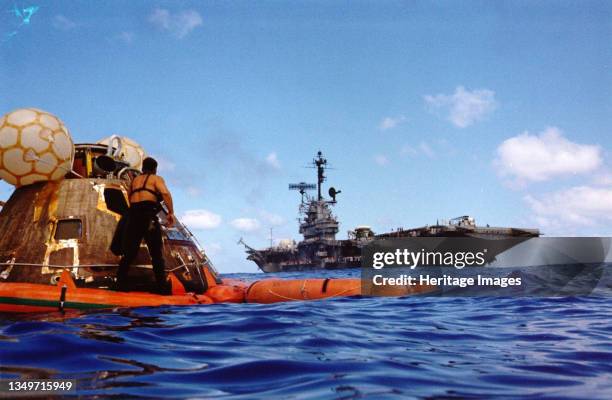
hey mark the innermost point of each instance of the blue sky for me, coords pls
(433, 109)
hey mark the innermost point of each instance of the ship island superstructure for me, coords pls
(320, 249)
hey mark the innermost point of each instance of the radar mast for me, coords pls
(321, 163)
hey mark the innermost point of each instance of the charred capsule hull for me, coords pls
(48, 226)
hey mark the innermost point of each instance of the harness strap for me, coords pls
(144, 188)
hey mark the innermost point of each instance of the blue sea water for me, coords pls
(344, 348)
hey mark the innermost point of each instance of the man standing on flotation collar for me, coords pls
(146, 192)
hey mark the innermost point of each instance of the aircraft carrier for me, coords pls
(320, 249)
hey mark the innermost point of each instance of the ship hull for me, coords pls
(526, 252)
(279, 267)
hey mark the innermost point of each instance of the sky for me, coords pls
(427, 110)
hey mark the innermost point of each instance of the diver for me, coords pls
(146, 193)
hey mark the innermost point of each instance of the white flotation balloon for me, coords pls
(131, 152)
(35, 146)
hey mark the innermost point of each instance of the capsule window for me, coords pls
(175, 234)
(115, 201)
(68, 229)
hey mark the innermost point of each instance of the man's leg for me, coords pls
(134, 232)
(122, 272)
(153, 238)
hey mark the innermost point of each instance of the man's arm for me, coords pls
(165, 193)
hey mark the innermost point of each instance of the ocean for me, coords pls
(344, 348)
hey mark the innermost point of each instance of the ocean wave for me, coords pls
(424, 347)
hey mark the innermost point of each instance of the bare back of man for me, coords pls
(155, 184)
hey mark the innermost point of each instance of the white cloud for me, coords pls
(271, 219)
(246, 224)
(422, 148)
(391, 122)
(580, 205)
(408, 150)
(272, 160)
(464, 107)
(180, 24)
(63, 23)
(603, 178)
(540, 157)
(201, 219)
(381, 159)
